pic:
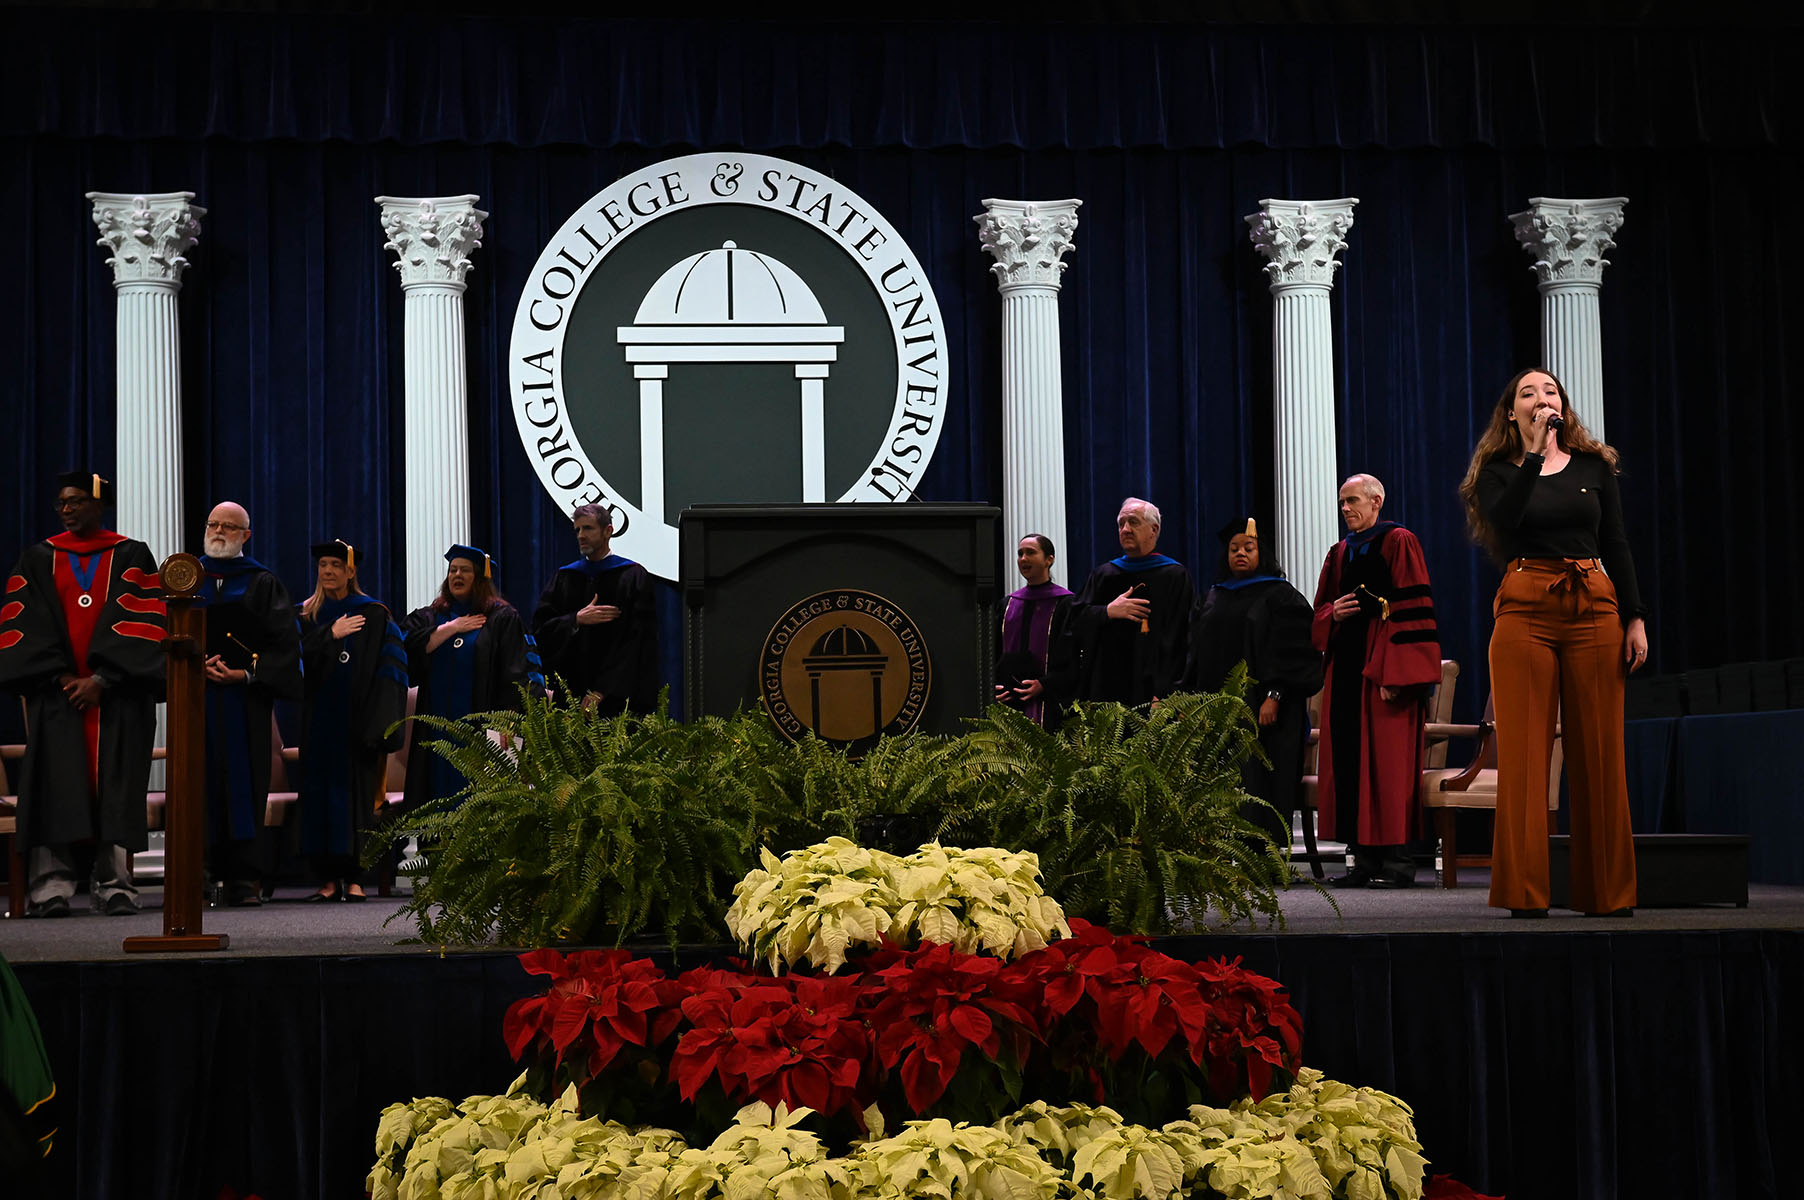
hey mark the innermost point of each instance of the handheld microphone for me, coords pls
(1556, 423)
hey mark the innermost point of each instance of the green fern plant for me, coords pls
(1138, 816)
(573, 823)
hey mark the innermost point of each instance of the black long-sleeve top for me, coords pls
(1574, 513)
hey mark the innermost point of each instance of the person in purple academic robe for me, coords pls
(1034, 673)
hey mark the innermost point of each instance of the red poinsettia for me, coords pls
(604, 999)
(1253, 1030)
(798, 1041)
(1446, 1187)
(935, 1003)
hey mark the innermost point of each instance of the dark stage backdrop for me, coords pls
(286, 127)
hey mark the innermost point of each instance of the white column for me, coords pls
(1299, 239)
(147, 234)
(651, 441)
(1028, 240)
(1568, 240)
(813, 377)
(432, 238)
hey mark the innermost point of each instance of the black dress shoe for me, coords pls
(357, 897)
(1355, 878)
(1391, 883)
(120, 905)
(1615, 912)
(56, 906)
(323, 895)
(1535, 914)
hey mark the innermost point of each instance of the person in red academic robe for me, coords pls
(1374, 623)
(81, 640)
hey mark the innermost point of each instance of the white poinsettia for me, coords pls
(942, 1161)
(1056, 1132)
(1364, 1139)
(816, 904)
(982, 900)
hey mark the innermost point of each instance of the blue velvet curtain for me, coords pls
(286, 127)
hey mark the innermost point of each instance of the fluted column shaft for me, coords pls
(436, 420)
(431, 238)
(1299, 240)
(1303, 428)
(1568, 240)
(148, 491)
(1028, 240)
(147, 235)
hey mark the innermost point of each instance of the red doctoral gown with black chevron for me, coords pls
(85, 773)
(1393, 643)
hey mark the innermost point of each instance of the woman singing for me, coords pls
(1541, 496)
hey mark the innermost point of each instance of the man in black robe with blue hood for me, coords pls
(1132, 617)
(253, 660)
(597, 622)
(81, 641)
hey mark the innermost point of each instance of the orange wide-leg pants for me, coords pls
(1556, 658)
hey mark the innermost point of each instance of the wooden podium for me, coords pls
(844, 620)
(184, 809)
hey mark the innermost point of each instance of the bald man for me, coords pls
(253, 660)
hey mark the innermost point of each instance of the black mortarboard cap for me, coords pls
(87, 481)
(336, 549)
(1238, 526)
(478, 557)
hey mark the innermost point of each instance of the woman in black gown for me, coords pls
(1252, 614)
(356, 690)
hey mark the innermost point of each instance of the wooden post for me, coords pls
(185, 805)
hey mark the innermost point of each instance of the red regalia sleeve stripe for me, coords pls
(10, 611)
(142, 578)
(139, 604)
(14, 583)
(11, 638)
(139, 629)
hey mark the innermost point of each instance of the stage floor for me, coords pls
(291, 927)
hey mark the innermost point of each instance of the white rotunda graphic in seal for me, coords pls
(725, 328)
(730, 305)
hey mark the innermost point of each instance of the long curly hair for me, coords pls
(484, 596)
(1503, 440)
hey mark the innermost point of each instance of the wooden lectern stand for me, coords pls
(185, 805)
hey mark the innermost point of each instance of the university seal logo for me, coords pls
(725, 328)
(845, 665)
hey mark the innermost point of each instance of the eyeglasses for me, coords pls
(224, 527)
(66, 505)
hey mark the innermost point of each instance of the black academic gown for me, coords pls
(504, 658)
(1265, 623)
(1116, 660)
(251, 625)
(59, 801)
(356, 689)
(617, 659)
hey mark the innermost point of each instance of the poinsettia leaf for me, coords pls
(972, 1023)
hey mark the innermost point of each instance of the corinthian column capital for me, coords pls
(1299, 239)
(1027, 239)
(432, 237)
(1568, 238)
(147, 233)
